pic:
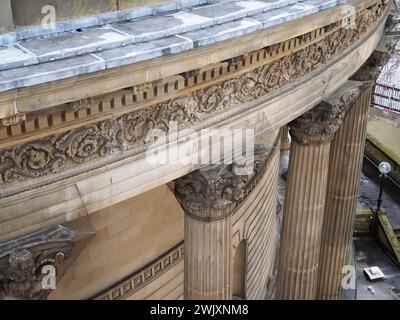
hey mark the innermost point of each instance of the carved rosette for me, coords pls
(215, 192)
(22, 261)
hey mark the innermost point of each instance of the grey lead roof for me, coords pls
(125, 40)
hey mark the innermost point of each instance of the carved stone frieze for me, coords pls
(30, 161)
(215, 192)
(60, 152)
(22, 261)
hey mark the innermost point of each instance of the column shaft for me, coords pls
(302, 220)
(210, 196)
(344, 172)
(208, 259)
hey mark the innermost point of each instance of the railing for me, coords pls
(387, 96)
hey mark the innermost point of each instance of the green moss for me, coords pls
(385, 149)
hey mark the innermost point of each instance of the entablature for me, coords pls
(101, 149)
(66, 79)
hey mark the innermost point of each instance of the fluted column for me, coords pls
(209, 197)
(305, 198)
(208, 259)
(343, 180)
(302, 220)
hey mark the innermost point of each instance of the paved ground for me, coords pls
(385, 128)
(368, 254)
(369, 190)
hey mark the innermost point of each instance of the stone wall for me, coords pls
(6, 19)
(130, 235)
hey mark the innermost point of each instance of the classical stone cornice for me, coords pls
(22, 260)
(320, 124)
(216, 191)
(64, 91)
(92, 146)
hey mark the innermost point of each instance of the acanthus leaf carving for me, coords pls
(88, 143)
(216, 191)
(320, 124)
(32, 160)
(22, 260)
(130, 131)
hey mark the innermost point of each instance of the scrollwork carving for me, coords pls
(88, 143)
(32, 160)
(83, 145)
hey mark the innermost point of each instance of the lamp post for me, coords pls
(384, 169)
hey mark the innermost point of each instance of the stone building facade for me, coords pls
(78, 101)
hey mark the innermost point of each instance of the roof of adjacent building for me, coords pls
(34, 55)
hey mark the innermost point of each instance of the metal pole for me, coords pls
(382, 177)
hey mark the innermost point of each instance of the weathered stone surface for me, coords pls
(60, 69)
(107, 139)
(228, 11)
(201, 25)
(30, 12)
(14, 57)
(22, 260)
(320, 124)
(222, 32)
(143, 51)
(6, 18)
(146, 29)
(215, 192)
(347, 151)
(283, 15)
(75, 44)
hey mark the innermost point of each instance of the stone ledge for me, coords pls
(32, 62)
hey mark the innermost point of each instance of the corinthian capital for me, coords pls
(371, 69)
(320, 124)
(214, 192)
(22, 261)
